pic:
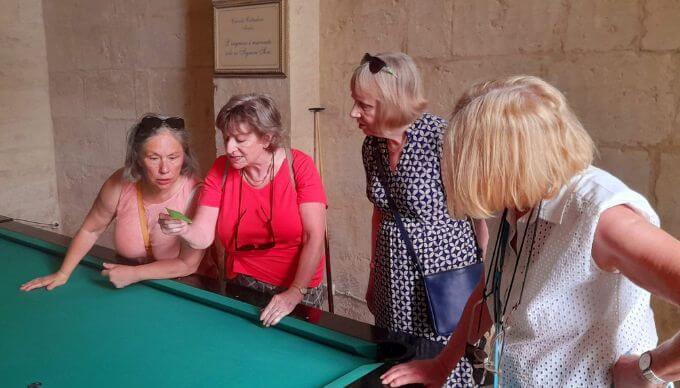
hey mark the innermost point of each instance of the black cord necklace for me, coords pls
(492, 286)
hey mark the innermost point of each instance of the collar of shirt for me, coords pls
(553, 208)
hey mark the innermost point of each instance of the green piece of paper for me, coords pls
(178, 216)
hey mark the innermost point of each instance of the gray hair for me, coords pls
(259, 111)
(136, 138)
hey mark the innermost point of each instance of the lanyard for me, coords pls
(493, 284)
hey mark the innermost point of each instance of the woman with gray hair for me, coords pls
(267, 205)
(159, 173)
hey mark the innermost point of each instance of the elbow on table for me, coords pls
(186, 269)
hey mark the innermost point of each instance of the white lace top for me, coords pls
(575, 320)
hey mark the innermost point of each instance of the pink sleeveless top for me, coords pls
(128, 232)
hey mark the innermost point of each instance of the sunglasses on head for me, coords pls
(152, 122)
(376, 64)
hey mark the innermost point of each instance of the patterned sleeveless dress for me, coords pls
(440, 242)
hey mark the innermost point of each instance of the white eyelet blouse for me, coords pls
(575, 319)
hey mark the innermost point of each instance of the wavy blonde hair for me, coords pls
(400, 95)
(511, 142)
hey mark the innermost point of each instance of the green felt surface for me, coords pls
(161, 333)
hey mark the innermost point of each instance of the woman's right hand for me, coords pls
(171, 226)
(50, 282)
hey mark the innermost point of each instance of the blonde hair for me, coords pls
(511, 142)
(400, 95)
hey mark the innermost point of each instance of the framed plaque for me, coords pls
(250, 38)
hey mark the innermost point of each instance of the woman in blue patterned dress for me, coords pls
(388, 107)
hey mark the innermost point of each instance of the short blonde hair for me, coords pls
(511, 142)
(259, 111)
(400, 95)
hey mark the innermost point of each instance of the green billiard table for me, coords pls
(169, 333)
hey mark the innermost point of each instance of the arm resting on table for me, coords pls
(97, 220)
(186, 264)
(434, 372)
(313, 216)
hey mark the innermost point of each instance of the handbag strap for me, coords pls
(395, 213)
(143, 222)
(478, 249)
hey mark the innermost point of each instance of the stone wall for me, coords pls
(82, 72)
(618, 63)
(27, 178)
(111, 61)
(294, 94)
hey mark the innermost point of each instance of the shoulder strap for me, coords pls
(291, 171)
(221, 250)
(143, 222)
(192, 195)
(395, 212)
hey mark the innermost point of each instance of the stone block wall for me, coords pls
(77, 74)
(618, 62)
(27, 164)
(110, 62)
(295, 93)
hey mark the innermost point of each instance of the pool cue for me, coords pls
(319, 165)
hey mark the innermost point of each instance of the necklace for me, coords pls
(259, 182)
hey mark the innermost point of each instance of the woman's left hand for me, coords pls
(430, 373)
(280, 306)
(626, 373)
(120, 275)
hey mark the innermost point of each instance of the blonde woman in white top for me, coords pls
(596, 252)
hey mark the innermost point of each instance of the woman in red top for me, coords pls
(271, 224)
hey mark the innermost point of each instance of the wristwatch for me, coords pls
(645, 365)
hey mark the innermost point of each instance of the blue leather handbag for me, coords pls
(447, 292)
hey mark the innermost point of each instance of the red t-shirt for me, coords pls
(276, 265)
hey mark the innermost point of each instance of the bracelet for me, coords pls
(302, 290)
